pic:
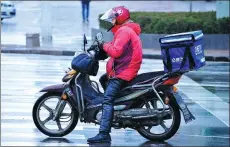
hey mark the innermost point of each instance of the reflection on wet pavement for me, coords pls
(21, 81)
(214, 77)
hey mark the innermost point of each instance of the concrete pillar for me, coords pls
(32, 40)
(190, 6)
(222, 8)
(46, 21)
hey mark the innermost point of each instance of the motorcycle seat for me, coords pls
(144, 78)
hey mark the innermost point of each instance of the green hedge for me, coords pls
(175, 22)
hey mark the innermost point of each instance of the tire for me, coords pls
(172, 130)
(70, 127)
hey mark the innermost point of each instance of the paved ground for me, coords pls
(67, 26)
(22, 76)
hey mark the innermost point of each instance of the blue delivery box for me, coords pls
(183, 52)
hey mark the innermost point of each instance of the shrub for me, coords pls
(175, 22)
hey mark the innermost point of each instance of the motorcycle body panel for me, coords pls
(53, 88)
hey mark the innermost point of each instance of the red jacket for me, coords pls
(125, 51)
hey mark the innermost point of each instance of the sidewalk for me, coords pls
(211, 55)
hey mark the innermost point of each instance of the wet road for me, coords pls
(67, 26)
(22, 76)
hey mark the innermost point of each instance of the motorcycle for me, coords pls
(149, 104)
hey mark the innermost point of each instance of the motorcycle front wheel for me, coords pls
(165, 128)
(43, 114)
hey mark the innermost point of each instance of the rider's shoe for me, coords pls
(100, 138)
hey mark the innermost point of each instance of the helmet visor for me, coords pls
(108, 16)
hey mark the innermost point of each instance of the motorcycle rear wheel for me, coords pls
(145, 131)
(40, 124)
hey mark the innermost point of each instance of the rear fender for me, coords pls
(53, 88)
(177, 96)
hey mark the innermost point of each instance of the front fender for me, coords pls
(53, 88)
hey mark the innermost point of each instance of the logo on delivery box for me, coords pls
(198, 49)
(179, 59)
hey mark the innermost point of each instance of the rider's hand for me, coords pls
(102, 55)
(93, 47)
(100, 44)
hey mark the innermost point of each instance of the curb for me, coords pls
(71, 53)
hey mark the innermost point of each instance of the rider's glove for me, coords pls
(100, 45)
(94, 47)
(102, 55)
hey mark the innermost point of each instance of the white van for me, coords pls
(7, 10)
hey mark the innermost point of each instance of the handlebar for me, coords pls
(94, 49)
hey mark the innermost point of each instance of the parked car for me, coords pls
(7, 10)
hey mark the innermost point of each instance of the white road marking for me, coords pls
(219, 109)
(225, 137)
(35, 136)
(29, 143)
(27, 125)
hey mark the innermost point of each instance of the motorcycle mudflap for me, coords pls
(188, 117)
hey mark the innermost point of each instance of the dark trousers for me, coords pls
(104, 81)
(114, 86)
(85, 11)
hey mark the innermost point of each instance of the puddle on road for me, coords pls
(214, 77)
(221, 92)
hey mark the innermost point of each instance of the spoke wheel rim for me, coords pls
(148, 129)
(49, 118)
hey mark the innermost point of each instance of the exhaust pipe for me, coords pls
(136, 114)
